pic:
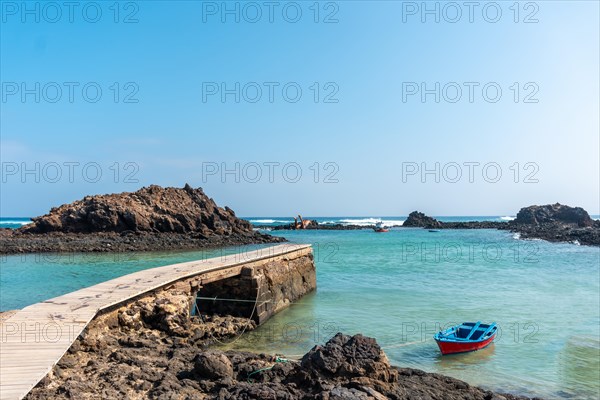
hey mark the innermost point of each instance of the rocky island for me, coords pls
(551, 222)
(150, 219)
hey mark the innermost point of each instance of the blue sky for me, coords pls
(361, 134)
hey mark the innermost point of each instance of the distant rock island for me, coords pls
(152, 218)
(552, 222)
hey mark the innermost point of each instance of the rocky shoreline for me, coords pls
(15, 243)
(150, 219)
(552, 222)
(156, 351)
(316, 226)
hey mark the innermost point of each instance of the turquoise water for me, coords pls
(30, 278)
(13, 222)
(401, 287)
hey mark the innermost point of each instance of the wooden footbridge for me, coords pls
(35, 338)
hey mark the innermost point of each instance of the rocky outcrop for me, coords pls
(553, 214)
(153, 218)
(150, 365)
(150, 209)
(557, 223)
(417, 219)
(552, 222)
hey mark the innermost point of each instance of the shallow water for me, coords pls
(401, 287)
(26, 279)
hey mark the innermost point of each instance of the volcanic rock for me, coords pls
(553, 213)
(151, 219)
(150, 209)
(419, 220)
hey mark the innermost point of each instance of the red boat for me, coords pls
(468, 336)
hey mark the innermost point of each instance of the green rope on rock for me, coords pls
(277, 360)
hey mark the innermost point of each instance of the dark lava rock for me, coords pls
(553, 213)
(316, 226)
(557, 223)
(417, 219)
(105, 365)
(348, 357)
(150, 209)
(552, 222)
(151, 219)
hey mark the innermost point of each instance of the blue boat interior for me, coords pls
(468, 331)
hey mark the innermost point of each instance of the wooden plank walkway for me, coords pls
(34, 339)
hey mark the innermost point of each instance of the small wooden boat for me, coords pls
(379, 227)
(434, 230)
(468, 336)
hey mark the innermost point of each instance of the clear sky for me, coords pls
(168, 114)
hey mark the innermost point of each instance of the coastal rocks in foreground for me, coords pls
(148, 363)
(152, 348)
(153, 218)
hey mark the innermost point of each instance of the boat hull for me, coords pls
(380, 230)
(447, 347)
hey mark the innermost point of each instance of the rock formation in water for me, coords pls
(557, 223)
(553, 214)
(552, 222)
(417, 219)
(153, 218)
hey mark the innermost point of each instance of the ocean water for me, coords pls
(401, 287)
(13, 222)
(17, 222)
(367, 221)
